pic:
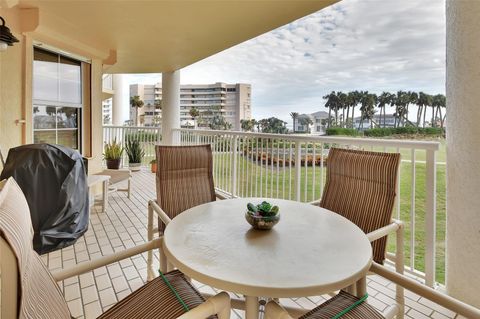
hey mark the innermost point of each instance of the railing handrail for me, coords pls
(133, 127)
(423, 145)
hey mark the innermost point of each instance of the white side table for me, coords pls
(97, 179)
(118, 176)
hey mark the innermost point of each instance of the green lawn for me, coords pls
(260, 180)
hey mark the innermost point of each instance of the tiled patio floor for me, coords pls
(124, 225)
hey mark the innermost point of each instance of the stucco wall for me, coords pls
(463, 150)
(11, 97)
(16, 92)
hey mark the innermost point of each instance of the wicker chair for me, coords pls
(344, 301)
(29, 290)
(361, 186)
(184, 180)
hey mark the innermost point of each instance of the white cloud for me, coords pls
(370, 45)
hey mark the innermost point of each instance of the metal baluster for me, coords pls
(412, 212)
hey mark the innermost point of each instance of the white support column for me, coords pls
(463, 150)
(170, 106)
(120, 100)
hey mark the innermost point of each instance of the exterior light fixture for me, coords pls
(6, 37)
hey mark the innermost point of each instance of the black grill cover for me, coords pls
(53, 179)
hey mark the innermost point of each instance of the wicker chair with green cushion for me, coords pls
(29, 290)
(361, 186)
(339, 304)
(347, 306)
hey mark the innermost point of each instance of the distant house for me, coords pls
(318, 126)
(377, 121)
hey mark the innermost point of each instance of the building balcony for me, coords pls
(124, 225)
(245, 164)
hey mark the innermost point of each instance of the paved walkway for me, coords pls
(124, 225)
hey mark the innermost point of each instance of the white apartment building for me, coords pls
(232, 101)
(317, 127)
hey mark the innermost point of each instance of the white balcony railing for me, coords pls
(266, 165)
(147, 136)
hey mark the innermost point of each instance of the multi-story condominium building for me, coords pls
(150, 114)
(318, 126)
(232, 101)
(107, 111)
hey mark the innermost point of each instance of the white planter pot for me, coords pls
(134, 167)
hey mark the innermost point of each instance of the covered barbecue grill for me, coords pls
(54, 182)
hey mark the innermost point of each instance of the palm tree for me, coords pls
(342, 104)
(351, 102)
(424, 101)
(429, 104)
(439, 101)
(412, 99)
(194, 113)
(356, 97)
(136, 103)
(294, 116)
(402, 99)
(367, 108)
(383, 100)
(332, 103)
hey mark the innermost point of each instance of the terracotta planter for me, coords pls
(153, 167)
(113, 163)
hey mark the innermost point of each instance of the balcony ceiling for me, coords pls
(158, 36)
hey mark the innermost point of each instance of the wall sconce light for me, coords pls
(6, 37)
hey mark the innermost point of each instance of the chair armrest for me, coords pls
(159, 211)
(106, 260)
(217, 305)
(444, 300)
(384, 231)
(221, 195)
(274, 311)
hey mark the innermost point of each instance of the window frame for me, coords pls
(58, 104)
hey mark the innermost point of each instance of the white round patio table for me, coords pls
(311, 251)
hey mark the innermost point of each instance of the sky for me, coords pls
(373, 45)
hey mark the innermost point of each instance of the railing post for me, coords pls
(298, 169)
(159, 135)
(124, 157)
(235, 163)
(197, 138)
(430, 218)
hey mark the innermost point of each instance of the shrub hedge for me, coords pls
(407, 130)
(342, 131)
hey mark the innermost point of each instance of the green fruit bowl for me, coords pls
(262, 222)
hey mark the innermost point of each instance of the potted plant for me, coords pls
(113, 154)
(135, 154)
(153, 165)
(262, 216)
